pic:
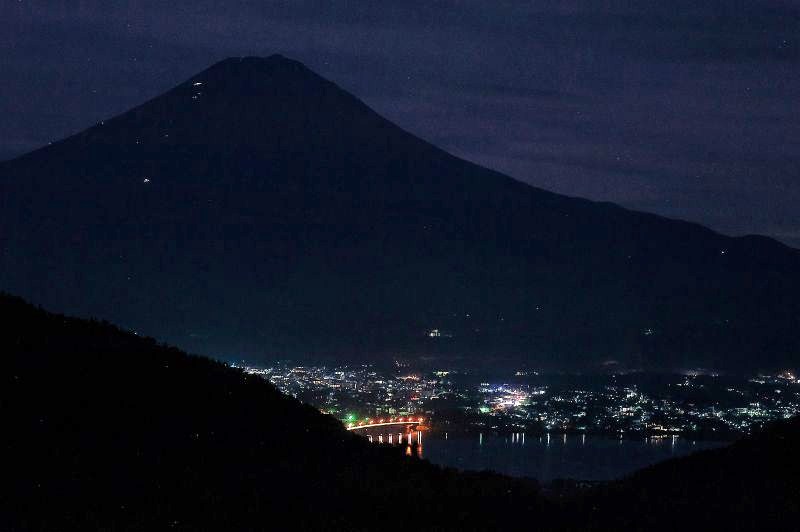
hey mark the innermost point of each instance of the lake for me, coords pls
(555, 456)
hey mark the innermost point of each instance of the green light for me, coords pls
(351, 417)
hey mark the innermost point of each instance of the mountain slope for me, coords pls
(107, 430)
(751, 485)
(104, 430)
(258, 210)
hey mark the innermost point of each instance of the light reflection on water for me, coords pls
(548, 457)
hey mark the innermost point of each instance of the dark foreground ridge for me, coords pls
(106, 430)
(258, 210)
(751, 485)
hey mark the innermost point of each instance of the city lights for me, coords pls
(362, 395)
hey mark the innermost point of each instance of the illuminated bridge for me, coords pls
(390, 430)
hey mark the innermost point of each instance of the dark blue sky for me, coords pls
(687, 109)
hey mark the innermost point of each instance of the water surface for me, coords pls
(555, 456)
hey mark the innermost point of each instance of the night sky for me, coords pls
(683, 108)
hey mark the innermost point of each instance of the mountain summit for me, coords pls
(259, 210)
(268, 104)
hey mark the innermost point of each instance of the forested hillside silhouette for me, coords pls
(105, 430)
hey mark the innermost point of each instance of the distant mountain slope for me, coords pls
(103, 430)
(258, 210)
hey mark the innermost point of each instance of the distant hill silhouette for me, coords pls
(258, 210)
(105, 430)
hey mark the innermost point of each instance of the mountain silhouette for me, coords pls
(258, 210)
(106, 430)
(749, 485)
